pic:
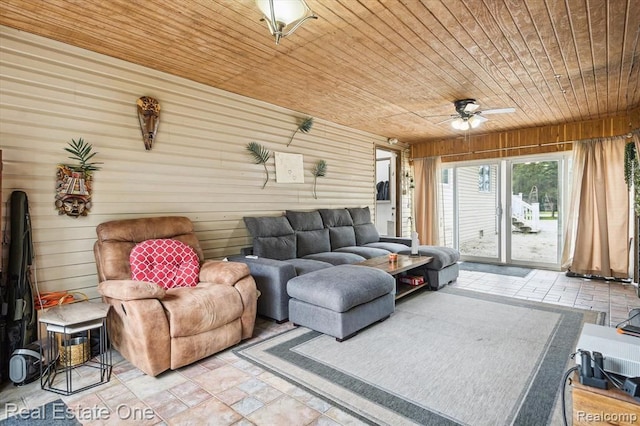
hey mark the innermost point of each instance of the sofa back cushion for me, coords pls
(335, 217)
(340, 225)
(168, 263)
(311, 236)
(273, 237)
(366, 231)
(360, 215)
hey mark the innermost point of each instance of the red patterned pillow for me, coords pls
(168, 263)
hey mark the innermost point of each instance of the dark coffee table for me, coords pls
(405, 263)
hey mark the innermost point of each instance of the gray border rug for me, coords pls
(452, 357)
(54, 413)
(512, 271)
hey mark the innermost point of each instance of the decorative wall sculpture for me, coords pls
(149, 117)
(74, 181)
(260, 155)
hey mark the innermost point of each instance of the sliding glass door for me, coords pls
(478, 206)
(504, 211)
(535, 211)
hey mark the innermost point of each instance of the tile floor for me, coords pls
(226, 390)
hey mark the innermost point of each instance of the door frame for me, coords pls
(394, 182)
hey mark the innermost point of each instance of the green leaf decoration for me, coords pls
(632, 173)
(81, 151)
(304, 127)
(319, 170)
(260, 155)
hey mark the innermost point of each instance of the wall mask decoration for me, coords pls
(149, 117)
(74, 181)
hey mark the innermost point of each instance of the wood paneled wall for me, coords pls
(537, 140)
(199, 167)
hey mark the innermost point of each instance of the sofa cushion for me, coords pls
(185, 308)
(342, 287)
(366, 233)
(366, 252)
(309, 242)
(273, 237)
(168, 263)
(336, 258)
(342, 236)
(389, 246)
(304, 221)
(442, 256)
(279, 248)
(335, 217)
(304, 266)
(360, 215)
(268, 226)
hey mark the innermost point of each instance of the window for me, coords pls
(445, 176)
(484, 179)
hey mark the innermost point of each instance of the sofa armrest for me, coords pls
(130, 290)
(271, 278)
(222, 272)
(399, 240)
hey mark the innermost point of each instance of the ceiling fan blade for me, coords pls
(448, 119)
(498, 111)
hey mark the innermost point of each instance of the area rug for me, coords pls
(451, 357)
(513, 271)
(54, 413)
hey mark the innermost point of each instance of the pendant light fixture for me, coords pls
(283, 17)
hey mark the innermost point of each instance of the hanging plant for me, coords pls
(260, 155)
(632, 173)
(319, 170)
(304, 127)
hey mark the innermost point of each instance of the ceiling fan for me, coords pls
(469, 116)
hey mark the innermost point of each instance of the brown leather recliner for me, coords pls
(157, 329)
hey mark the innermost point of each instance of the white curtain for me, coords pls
(425, 207)
(597, 220)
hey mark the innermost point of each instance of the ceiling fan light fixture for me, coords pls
(476, 120)
(283, 17)
(460, 124)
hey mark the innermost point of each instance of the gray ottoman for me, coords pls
(443, 269)
(341, 300)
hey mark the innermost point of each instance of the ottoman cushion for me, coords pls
(442, 256)
(342, 287)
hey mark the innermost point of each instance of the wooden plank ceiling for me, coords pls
(390, 67)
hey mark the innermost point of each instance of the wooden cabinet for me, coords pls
(592, 406)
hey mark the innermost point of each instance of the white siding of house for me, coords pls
(476, 208)
(199, 167)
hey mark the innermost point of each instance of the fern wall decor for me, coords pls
(260, 155)
(319, 170)
(304, 127)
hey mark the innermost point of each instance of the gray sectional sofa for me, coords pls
(300, 242)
